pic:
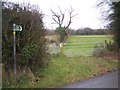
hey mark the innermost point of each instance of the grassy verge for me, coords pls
(62, 71)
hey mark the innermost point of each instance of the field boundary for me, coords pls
(85, 45)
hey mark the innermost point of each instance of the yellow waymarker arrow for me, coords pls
(14, 32)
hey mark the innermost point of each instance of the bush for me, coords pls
(100, 51)
(30, 42)
(62, 33)
(24, 77)
(27, 53)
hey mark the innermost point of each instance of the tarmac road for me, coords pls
(0, 76)
(109, 80)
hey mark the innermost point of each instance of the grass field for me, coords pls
(89, 38)
(84, 45)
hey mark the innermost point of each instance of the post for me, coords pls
(14, 48)
(118, 53)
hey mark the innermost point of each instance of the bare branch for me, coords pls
(56, 16)
(74, 15)
(70, 18)
(62, 18)
(62, 15)
(55, 20)
(54, 13)
(59, 18)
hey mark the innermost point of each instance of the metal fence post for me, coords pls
(14, 48)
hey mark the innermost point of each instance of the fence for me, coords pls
(81, 49)
(76, 49)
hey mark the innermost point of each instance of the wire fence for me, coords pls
(81, 49)
(76, 49)
(84, 45)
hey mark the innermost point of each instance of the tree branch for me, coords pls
(58, 21)
(59, 18)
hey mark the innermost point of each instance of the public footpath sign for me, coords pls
(17, 27)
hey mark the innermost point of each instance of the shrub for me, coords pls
(63, 34)
(100, 51)
(30, 42)
(27, 53)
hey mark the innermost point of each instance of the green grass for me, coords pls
(62, 70)
(84, 45)
(73, 52)
(89, 38)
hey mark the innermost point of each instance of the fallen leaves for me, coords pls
(34, 81)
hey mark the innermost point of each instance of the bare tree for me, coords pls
(59, 18)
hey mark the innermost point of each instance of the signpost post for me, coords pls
(15, 28)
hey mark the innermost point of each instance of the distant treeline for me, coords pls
(86, 31)
(89, 31)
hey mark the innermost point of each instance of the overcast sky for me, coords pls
(88, 14)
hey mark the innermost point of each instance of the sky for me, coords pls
(88, 15)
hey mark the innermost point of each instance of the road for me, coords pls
(0, 76)
(109, 80)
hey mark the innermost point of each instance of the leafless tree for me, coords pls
(59, 18)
